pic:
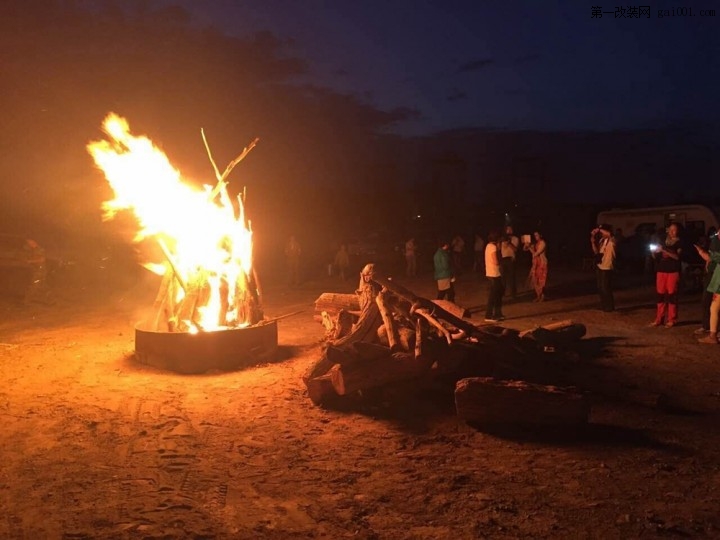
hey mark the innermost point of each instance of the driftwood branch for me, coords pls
(171, 262)
(387, 318)
(222, 181)
(418, 339)
(218, 177)
(440, 328)
(419, 302)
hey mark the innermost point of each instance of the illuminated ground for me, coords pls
(93, 445)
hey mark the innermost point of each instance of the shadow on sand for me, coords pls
(589, 435)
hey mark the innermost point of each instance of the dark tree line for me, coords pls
(66, 64)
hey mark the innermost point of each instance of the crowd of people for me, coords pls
(496, 257)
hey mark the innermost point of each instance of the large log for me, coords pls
(555, 334)
(378, 372)
(494, 403)
(452, 307)
(331, 355)
(321, 389)
(332, 303)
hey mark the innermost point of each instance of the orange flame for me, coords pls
(202, 238)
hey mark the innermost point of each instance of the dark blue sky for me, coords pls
(509, 65)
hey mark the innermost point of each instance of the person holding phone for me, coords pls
(667, 277)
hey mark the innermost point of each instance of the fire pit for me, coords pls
(208, 313)
(223, 350)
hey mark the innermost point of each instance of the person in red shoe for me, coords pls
(714, 289)
(667, 278)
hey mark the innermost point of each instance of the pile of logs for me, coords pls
(384, 333)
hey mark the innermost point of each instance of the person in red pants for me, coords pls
(667, 278)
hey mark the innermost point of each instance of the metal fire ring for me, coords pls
(223, 350)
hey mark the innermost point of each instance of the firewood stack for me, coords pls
(384, 333)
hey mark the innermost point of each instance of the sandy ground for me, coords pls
(94, 445)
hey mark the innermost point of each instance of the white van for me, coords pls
(634, 227)
(694, 218)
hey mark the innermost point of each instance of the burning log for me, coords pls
(164, 306)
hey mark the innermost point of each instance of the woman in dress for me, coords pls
(539, 268)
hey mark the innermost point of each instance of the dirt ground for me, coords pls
(95, 445)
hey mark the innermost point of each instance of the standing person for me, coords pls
(479, 252)
(603, 246)
(458, 247)
(539, 268)
(342, 261)
(444, 273)
(707, 296)
(493, 272)
(667, 277)
(292, 255)
(508, 251)
(410, 258)
(714, 289)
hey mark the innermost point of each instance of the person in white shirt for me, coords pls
(603, 246)
(493, 272)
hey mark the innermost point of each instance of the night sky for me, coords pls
(368, 112)
(507, 65)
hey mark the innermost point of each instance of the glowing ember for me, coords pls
(208, 279)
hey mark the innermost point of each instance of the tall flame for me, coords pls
(202, 238)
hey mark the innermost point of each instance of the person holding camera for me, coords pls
(667, 277)
(603, 246)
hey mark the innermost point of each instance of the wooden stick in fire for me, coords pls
(222, 178)
(171, 262)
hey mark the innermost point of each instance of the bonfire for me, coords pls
(208, 279)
